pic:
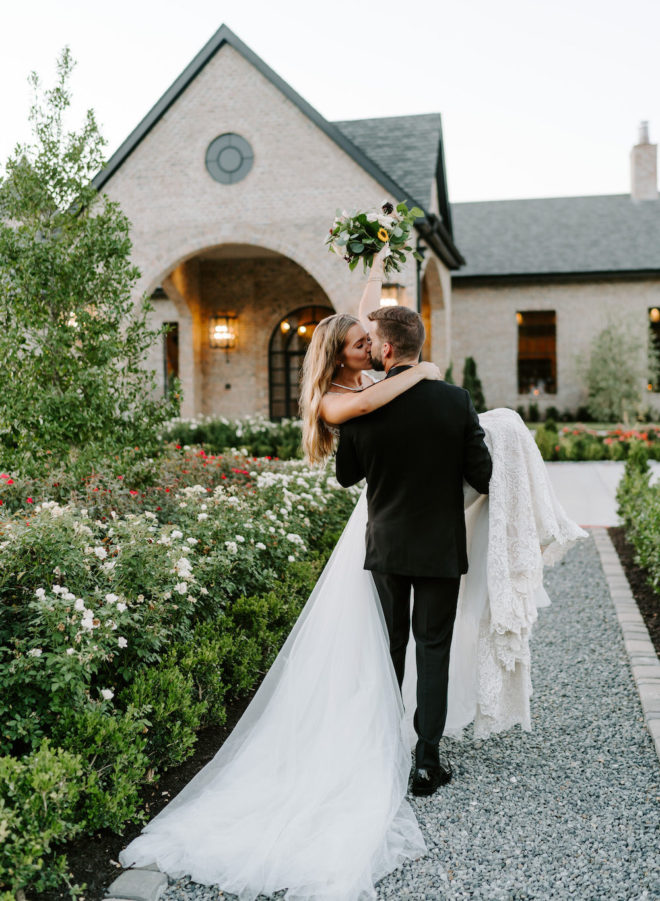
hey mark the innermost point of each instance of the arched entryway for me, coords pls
(288, 346)
(247, 292)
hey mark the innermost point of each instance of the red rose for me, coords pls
(30, 501)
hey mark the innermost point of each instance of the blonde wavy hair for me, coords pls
(318, 367)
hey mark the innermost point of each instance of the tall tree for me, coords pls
(72, 340)
(616, 374)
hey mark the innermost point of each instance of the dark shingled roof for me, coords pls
(557, 235)
(406, 147)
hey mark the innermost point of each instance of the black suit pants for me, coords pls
(433, 615)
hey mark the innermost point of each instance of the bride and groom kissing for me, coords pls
(308, 793)
(415, 453)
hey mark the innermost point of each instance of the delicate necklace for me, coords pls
(348, 387)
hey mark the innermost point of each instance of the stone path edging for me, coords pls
(644, 661)
(146, 884)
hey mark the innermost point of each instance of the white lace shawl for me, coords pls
(523, 514)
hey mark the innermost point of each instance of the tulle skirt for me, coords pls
(308, 792)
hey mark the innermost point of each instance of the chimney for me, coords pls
(644, 167)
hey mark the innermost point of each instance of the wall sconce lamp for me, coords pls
(391, 295)
(223, 332)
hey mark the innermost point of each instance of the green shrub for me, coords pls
(257, 435)
(111, 746)
(546, 441)
(472, 383)
(39, 796)
(165, 698)
(639, 508)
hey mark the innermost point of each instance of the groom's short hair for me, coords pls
(402, 328)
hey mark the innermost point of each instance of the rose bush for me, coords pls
(130, 616)
(583, 443)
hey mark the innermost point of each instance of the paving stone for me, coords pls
(138, 885)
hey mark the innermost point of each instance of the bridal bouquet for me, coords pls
(360, 235)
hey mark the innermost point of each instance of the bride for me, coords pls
(308, 793)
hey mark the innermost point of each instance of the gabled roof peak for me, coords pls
(438, 234)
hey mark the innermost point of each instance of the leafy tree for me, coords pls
(72, 340)
(449, 374)
(615, 375)
(472, 383)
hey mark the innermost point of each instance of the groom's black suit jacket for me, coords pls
(414, 453)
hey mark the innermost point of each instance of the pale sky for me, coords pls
(539, 98)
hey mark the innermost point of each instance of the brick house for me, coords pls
(231, 182)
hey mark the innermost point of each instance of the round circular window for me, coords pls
(229, 158)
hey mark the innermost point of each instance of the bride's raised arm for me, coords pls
(339, 407)
(370, 299)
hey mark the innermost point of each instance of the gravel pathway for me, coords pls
(569, 810)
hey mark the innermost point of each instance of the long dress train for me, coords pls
(308, 792)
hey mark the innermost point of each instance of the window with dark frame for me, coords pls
(288, 346)
(654, 344)
(537, 352)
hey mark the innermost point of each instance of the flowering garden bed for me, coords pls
(134, 607)
(584, 443)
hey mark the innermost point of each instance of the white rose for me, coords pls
(122, 642)
(70, 651)
(121, 607)
(35, 652)
(176, 534)
(192, 541)
(291, 558)
(260, 545)
(100, 552)
(107, 694)
(111, 598)
(79, 605)
(202, 516)
(181, 588)
(40, 592)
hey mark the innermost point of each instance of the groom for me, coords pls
(414, 453)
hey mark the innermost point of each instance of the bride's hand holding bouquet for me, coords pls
(361, 235)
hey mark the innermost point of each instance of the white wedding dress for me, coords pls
(308, 793)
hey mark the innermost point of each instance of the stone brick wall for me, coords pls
(484, 327)
(285, 204)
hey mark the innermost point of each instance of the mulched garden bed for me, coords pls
(93, 859)
(647, 599)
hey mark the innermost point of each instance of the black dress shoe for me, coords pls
(426, 781)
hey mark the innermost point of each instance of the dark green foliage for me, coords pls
(39, 797)
(260, 437)
(639, 507)
(72, 341)
(472, 383)
(449, 374)
(111, 746)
